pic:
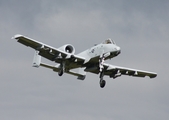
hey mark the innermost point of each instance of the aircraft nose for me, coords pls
(118, 50)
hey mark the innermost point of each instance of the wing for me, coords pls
(116, 71)
(49, 52)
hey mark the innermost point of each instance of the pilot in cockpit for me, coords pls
(109, 41)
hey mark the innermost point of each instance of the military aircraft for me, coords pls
(91, 60)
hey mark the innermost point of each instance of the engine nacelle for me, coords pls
(68, 48)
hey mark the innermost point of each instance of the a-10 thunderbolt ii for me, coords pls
(91, 60)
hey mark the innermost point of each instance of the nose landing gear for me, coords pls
(101, 62)
(102, 83)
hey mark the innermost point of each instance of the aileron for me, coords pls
(28, 41)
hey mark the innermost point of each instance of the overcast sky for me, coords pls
(139, 27)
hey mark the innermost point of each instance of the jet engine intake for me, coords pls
(68, 48)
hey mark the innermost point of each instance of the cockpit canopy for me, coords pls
(109, 41)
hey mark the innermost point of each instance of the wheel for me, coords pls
(60, 73)
(102, 83)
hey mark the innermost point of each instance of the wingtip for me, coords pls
(153, 76)
(16, 36)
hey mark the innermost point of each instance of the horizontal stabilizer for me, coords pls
(80, 75)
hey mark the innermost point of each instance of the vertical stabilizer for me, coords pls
(36, 59)
(82, 73)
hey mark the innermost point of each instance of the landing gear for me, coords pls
(62, 69)
(60, 73)
(101, 69)
(102, 83)
(101, 61)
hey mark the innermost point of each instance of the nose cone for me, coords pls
(118, 50)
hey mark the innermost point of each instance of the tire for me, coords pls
(102, 83)
(60, 73)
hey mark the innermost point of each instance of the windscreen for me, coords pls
(109, 41)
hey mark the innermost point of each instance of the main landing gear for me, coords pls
(62, 69)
